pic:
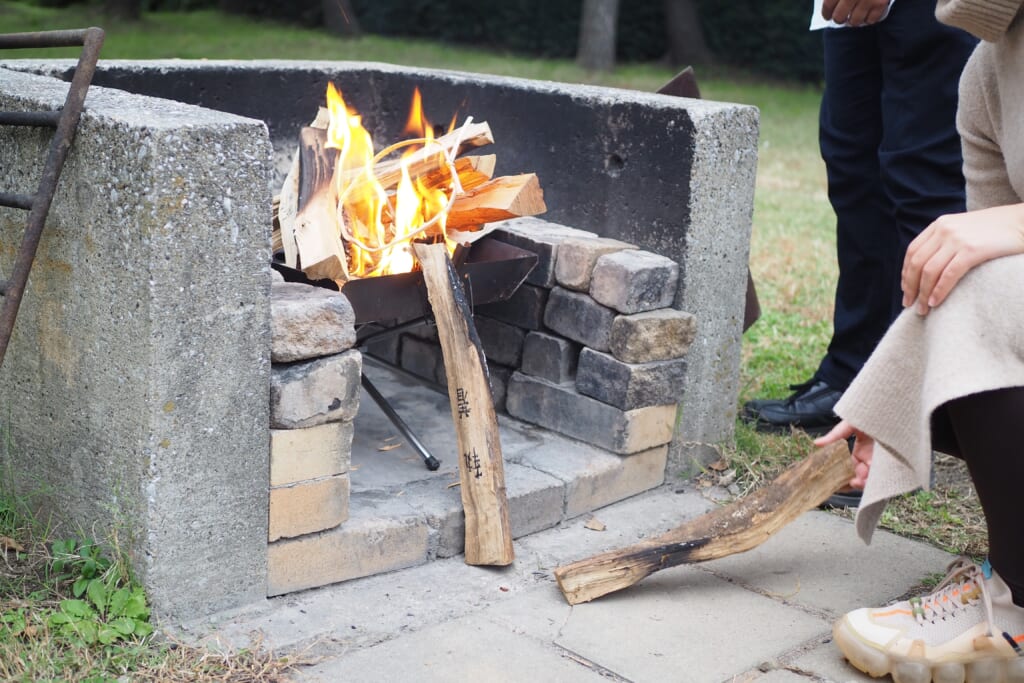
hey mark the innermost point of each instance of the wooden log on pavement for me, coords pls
(481, 470)
(730, 529)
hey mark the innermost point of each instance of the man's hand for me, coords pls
(948, 248)
(863, 450)
(854, 12)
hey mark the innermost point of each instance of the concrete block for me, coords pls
(498, 376)
(137, 375)
(550, 357)
(423, 359)
(634, 281)
(310, 453)
(542, 238)
(580, 318)
(652, 335)
(564, 410)
(314, 392)
(502, 343)
(308, 506)
(630, 385)
(525, 308)
(576, 258)
(309, 322)
(595, 479)
(368, 543)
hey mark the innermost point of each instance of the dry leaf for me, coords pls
(718, 466)
(10, 544)
(389, 446)
(594, 524)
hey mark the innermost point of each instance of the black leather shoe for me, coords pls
(810, 408)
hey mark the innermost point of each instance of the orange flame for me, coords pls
(377, 225)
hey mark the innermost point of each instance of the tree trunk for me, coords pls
(686, 44)
(596, 47)
(339, 18)
(123, 9)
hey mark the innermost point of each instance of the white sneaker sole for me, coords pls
(993, 667)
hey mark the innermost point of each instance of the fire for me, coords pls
(378, 225)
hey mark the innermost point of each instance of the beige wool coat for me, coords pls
(974, 340)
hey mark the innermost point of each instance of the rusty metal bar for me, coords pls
(69, 38)
(16, 201)
(91, 40)
(30, 118)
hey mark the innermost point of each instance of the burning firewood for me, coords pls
(497, 200)
(346, 215)
(481, 470)
(731, 529)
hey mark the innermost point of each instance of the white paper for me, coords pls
(818, 23)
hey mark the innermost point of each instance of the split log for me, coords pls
(426, 160)
(497, 200)
(320, 251)
(481, 470)
(473, 171)
(731, 529)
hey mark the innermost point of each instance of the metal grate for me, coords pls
(65, 123)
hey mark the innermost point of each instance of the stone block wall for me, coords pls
(314, 397)
(588, 346)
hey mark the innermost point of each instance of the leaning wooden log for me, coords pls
(731, 529)
(497, 200)
(481, 470)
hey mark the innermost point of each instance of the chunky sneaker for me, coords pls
(967, 630)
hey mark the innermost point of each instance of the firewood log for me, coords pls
(481, 470)
(497, 200)
(731, 529)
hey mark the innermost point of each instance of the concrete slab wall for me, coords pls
(672, 175)
(135, 390)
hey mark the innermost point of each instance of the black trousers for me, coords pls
(981, 430)
(892, 154)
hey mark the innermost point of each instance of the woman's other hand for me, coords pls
(863, 450)
(948, 248)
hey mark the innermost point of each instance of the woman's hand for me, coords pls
(863, 450)
(948, 248)
(854, 12)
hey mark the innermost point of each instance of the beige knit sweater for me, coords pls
(974, 340)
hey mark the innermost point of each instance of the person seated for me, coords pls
(949, 375)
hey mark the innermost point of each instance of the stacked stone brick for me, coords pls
(589, 346)
(315, 380)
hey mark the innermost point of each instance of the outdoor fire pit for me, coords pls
(138, 376)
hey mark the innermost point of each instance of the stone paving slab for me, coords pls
(819, 562)
(825, 662)
(734, 619)
(685, 621)
(469, 649)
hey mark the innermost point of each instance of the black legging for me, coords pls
(980, 430)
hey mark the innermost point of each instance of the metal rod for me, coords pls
(71, 38)
(17, 201)
(91, 40)
(29, 118)
(431, 462)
